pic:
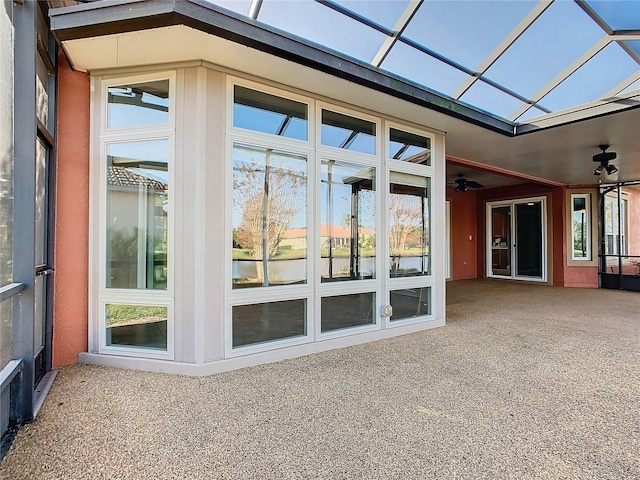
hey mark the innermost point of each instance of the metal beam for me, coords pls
(562, 76)
(506, 43)
(398, 28)
(25, 132)
(10, 290)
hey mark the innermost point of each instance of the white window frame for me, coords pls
(314, 290)
(100, 295)
(587, 234)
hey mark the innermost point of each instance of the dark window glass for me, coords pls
(410, 302)
(136, 326)
(345, 311)
(268, 113)
(266, 322)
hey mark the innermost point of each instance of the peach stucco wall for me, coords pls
(463, 234)
(70, 311)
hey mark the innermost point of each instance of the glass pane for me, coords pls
(269, 217)
(588, 83)
(533, 112)
(137, 214)
(345, 311)
(6, 160)
(136, 326)
(383, 13)
(324, 26)
(239, 6)
(348, 221)
(42, 94)
(501, 241)
(5, 332)
(349, 133)
(267, 113)
(408, 225)
(615, 225)
(421, 68)
(409, 147)
(410, 303)
(580, 228)
(266, 322)
(545, 49)
(138, 104)
(479, 27)
(41, 217)
(633, 45)
(490, 99)
(619, 15)
(529, 239)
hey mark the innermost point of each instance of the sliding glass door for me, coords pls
(516, 239)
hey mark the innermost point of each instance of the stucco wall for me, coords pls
(70, 316)
(464, 238)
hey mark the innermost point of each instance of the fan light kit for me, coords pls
(462, 184)
(603, 159)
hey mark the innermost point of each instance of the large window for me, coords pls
(269, 217)
(408, 225)
(135, 290)
(347, 221)
(304, 244)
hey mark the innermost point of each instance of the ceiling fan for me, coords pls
(462, 184)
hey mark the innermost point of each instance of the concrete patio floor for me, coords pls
(524, 382)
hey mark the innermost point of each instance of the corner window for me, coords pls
(581, 226)
(266, 113)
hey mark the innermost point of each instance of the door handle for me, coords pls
(43, 270)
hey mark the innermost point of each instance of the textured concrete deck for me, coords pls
(524, 382)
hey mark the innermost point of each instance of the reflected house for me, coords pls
(137, 256)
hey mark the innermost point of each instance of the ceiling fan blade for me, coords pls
(473, 184)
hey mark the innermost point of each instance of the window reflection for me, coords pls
(267, 113)
(409, 147)
(348, 133)
(410, 303)
(408, 225)
(138, 104)
(580, 227)
(269, 217)
(136, 326)
(265, 322)
(348, 221)
(345, 311)
(137, 214)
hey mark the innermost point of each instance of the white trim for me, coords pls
(99, 294)
(225, 365)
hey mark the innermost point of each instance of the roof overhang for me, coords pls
(104, 23)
